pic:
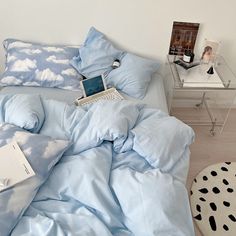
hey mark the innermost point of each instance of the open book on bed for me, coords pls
(14, 167)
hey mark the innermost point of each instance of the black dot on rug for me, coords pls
(198, 208)
(198, 217)
(227, 204)
(191, 192)
(212, 223)
(195, 180)
(213, 173)
(225, 182)
(224, 169)
(216, 190)
(204, 178)
(232, 218)
(228, 163)
(225, 227)
(202, 199)
(230, 190)
(213, 206)
(203, 190)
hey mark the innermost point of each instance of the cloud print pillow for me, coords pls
(31, 64)
(42, 153)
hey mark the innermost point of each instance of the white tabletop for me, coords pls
(198, 77)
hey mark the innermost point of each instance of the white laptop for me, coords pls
(95, 89)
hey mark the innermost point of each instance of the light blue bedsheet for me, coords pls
(124, 174)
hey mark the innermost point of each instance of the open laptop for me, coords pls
(95, 89)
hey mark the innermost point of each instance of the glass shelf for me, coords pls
(201, 98)
(198, 78)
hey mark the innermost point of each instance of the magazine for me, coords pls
(183, 37)
(14, 167)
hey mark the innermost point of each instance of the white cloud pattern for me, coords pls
(28, 151)
(48, 75)
(70, 88)
(57, 61)
(53, 49)
(69, 72)
(21, 137)
(33, 83)
(5, 127)
(11, 80)
(24, 65)
(31, 51)
(51, 147)
(10, 58)
(19, 44)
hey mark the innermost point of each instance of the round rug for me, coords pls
(213, 199)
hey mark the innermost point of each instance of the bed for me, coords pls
(107, 168)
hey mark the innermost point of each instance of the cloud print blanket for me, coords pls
(123, 173)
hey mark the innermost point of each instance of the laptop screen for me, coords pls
(93, 85)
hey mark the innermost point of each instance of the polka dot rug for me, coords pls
(213, 200)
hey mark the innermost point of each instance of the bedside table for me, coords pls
(198, 98)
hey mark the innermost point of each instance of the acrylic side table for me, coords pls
(202, 99)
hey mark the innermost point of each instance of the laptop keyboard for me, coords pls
(109, 94)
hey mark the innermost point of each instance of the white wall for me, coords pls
(142, 26)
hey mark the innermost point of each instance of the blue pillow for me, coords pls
(31, 64)
(42, 153)
(96, 56)
(133, 76)
(25, 111)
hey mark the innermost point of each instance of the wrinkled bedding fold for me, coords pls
(123, 174)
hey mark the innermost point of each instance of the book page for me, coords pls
(14, 167)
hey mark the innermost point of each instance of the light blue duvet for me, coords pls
(123, 175)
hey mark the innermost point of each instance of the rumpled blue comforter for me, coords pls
(123, 175)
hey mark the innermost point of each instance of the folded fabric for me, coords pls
(153, 209)
(91, 166)
(42, 153)
(129, 126)
(96, 55)
(133, 76)
(31, 64)
(105, 120)
(165, 142)
(117, 146)
(25, 111)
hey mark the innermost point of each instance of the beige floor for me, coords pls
(208, 150)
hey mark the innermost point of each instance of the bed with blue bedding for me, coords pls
(110, 168)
